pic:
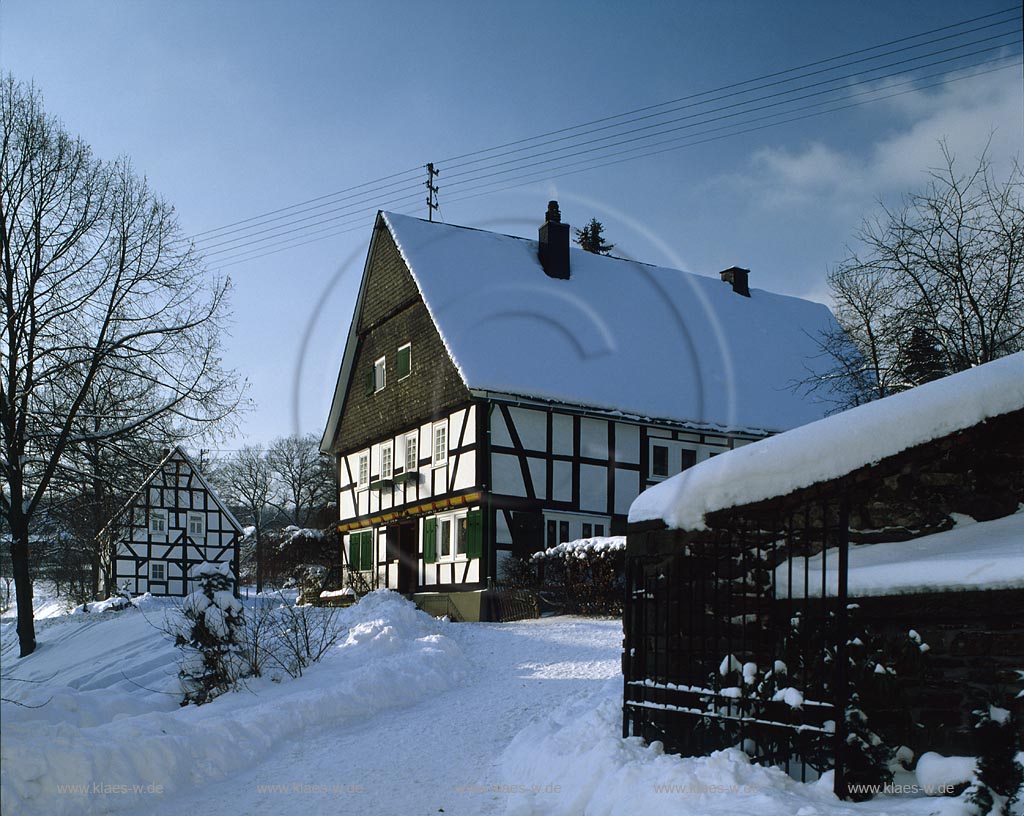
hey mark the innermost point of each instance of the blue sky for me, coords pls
(233, 109)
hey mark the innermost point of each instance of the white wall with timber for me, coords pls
(386, 478)
(387, 475)
(582, 470)
(172, 524)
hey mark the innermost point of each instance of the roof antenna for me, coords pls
(431, 190)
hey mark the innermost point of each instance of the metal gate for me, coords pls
(736, 638)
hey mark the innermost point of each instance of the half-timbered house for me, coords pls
(174, 521)
(498, 394)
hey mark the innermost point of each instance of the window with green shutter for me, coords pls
(430, 541)
(353, 551)
(370, 380)
(474, 533)
(404, 360)
(366, 551)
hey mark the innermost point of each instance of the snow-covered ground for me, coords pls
(406, 715)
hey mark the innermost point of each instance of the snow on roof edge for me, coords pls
(836, 445)
(426, 302)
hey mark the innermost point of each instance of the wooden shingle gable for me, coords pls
(390, 314)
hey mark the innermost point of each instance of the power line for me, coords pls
(325, 223)
(641, 152)
(1012, 9)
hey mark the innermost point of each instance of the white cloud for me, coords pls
(967, 114)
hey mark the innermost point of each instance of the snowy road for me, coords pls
(436, 756)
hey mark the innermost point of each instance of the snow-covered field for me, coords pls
(406, 715)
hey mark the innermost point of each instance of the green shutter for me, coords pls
(474, 534)
(366, 550)
(353, 551)
(371, 383)
(429, 540)
(404, 361)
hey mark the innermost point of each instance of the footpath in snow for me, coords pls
(406, 715)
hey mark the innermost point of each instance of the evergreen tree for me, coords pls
(923, 359)
(591, 238)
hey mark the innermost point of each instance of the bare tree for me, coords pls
(248, 483)
(305, 475)
(97, 282)
(935, 286)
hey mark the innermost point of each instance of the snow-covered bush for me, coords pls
(1000, 777)
(589, 574)
(210, 635)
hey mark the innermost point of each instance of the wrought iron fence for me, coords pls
(737, 637)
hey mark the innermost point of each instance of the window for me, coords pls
(157, 571)
(588, 530)
(158, 522)
(563, 531)
(379, 375)
(404, 361)
(599, 529)
(363, 469)
(453, 536)
(659, 460)
(460, 536)
(444, 539)
(440, 444)
(386, 454)
(197, 524)
(411, 453)
(689, 458)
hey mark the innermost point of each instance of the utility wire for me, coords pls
(247, 230)
(295, 208)
(537, 159)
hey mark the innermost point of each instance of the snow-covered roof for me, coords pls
(836, 445)
(618, 335)
(973, 555)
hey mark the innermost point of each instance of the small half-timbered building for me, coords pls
(173, 522)
(499, 394)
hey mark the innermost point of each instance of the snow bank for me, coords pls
(52, 761)
(936, 772)
(973, 555)
(836, 445)
(575, 763)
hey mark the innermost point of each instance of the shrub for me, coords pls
(589, 574)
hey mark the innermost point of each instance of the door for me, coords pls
(408, 557)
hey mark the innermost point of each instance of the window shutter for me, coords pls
(366, 554)
(404, 361)
(371, 384)
(353, 551)
(474, 534)
(429, 540)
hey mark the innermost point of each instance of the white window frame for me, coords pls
(362, 470)
(439, 454)
(201, 518)
(576, 522)
(161, 516)
(162, 566)
(412, 452)
(387, 461)
(452, 520)
(380, 374)
(675, 456)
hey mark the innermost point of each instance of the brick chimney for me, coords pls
(737, 276)
(554, 244)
